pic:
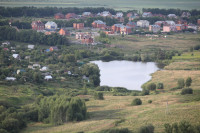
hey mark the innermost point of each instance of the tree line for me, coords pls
(47, 11)
(29, 36)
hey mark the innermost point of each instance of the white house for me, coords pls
(172, 16)
(50, 25)
(48, 77)
(36, 65)
(106, 14)
(169, 22)
(31, 47)
(192, 26)
(5, 43)
(119, 14)
(147, 14)
(86, 13)
(10, 78)
(16, 56)
(44, 68)
(143, 23)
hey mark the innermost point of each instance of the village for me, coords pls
(86, 35)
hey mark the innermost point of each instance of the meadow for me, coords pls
(116, 4)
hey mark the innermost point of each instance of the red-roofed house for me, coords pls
(37, 25)
(99, 24)
(78, 26)
(70, 16)
(64, 32)
(59, 16)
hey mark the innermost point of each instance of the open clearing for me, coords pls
(116, 4)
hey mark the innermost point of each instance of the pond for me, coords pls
(128, 74)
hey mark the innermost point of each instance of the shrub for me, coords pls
(98, 96)
(160, 86)
(122, 130)
(149, 101)
(147, 129)
(136, 101)
(181, 83)
(144, 92)
(103, 88)
(188, 82)
(186, 91)
(151, 86)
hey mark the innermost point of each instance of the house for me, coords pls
(131, 16)
(131, 24)
(71, 16)
(37, 25)
(80, 35)
(87, 14)
(147, 14)
(30, 47)
(69, 72)
(98, 24)
(10, 78)
(179, 27)
(59, 16)
(16, 56)
(192, 26)
(198, 22)
(50, 25)
(20, 71)
(64, 32)
(105, 14)
(87, 40)
(53, 48)
(86, 78)
(119, 17)
(182, 22)
(119, 14)
(160, 23)
(169, 28)
(116, 27)
(154, 28)
(172, 15)
(108, 32)
(186, 15)
(143, 23)
(125, 30)
(48, 77)
(6, 43)
(78, 26)
(44, 68)
(36, 66)
(169, 22)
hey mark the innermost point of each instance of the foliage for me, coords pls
(181, 83)
(147, 129)
(188, 82)
(160, 86)
(103, 88)
(122, 130)
(98, 96)
(149, 101)
(151, 86)
(136, 101)
(144, 92)
(186, 91)
(119, 89)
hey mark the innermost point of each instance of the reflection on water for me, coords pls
(128, 74)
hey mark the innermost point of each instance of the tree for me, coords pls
(136, 101)
(188, 82)
(151, 86)
(181, 83)
(98, 96)
(160, 86)
(186, 91)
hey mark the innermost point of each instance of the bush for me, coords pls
(188, 82)
(103, 88)
(136, 101)
(119, 89)
(122, 130)
(186, 91)
(11, 125)
(147, 129)
(149, 101)
(98, 96)
(144, 92)
(160, 86)
(181, 83)
(151, 86)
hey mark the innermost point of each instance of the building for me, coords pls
(186, 15)
(53, 48)
(48, 77)
(87, 14)
(30, 47)
(64, 32)
(36, 66)
(131, 24)
(192, 26)
(198, 22)
(169, 28)
(6, 43)
(182, 22)
(20, 71)
(109, 32)
(169, 22)
(10, 78)
(160, 23)
(78, 26)
(105, 14)
(59, 16)
(172, 15)
(44, 68)
(154, 28)
(147, 14)
(125, 30)
(119, 14)
(99, 24)
(143, 23)
(87, 40)
(71, 16)
(131, 16)
(16, 56)
(116, 27)
(50, 25)
(179, 27)
(37, 25)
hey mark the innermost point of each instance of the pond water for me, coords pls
(128, 74)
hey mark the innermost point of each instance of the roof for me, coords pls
(31, 46)
(50, 23)
(10, 78)
(119, 25)
(86, 13)
(15, 55)
(155, 26)
(99, 22)
(131, 23)
(48, 77)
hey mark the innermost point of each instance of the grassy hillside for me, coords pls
(116, 4)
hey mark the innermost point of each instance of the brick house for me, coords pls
(37, 25)
(125, 30)
(154, 28)
(71, 16)
(78, 26)
(182, 22)
(99, 24)
(64, 32)
(59, 16)
(169, 28)
(116, 27)
(198, 22)
(143, 23)
(131, 24)
(179, 27)
(160, 23)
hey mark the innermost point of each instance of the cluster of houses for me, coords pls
(119, 28)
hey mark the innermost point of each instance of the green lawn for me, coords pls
(116, 4)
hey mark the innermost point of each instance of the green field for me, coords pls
(116, 4)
